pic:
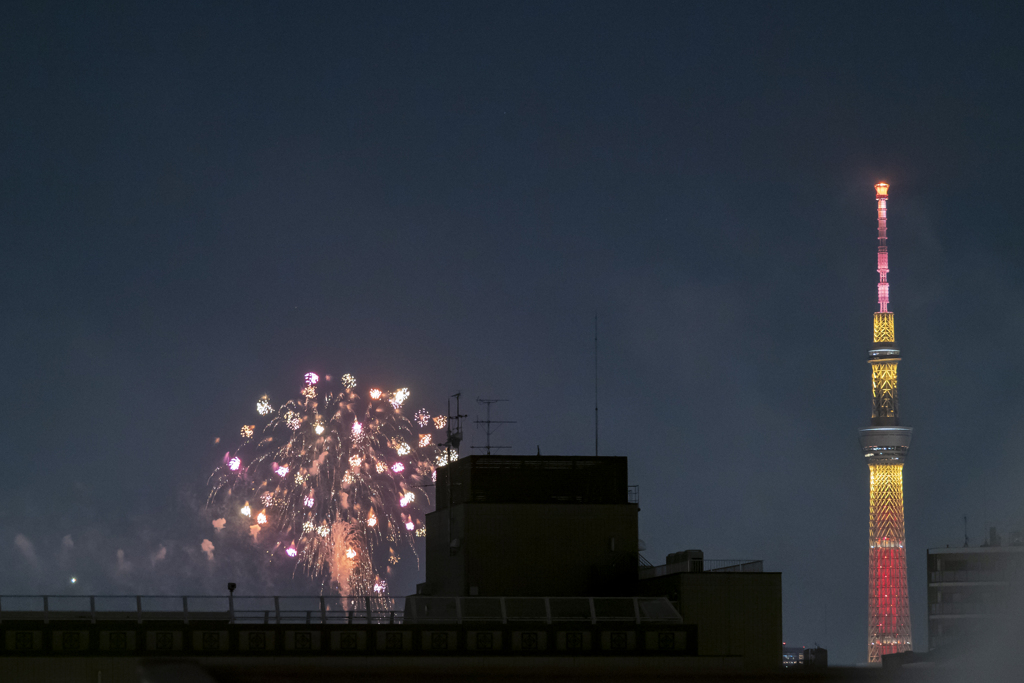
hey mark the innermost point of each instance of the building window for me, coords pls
(349, 641)
(164, 640)
(303, 640)
(666, 640)
(439, 640)
(393, 641)
(528, 640)
(484, 640)
(118, 640)
(71, 640)
(211, 640)
(618, 640)
(257, 640)
(574, 640)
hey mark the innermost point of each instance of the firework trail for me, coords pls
(331, 481)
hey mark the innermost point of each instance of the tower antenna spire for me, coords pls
(882, 196)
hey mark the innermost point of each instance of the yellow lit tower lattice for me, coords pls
(885, 444)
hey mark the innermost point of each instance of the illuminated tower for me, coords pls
(885, 444)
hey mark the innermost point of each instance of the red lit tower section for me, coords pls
(885, 444)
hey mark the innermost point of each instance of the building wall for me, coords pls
(736, 613)
(445, 573)
(533, 549)
(968, 590)
(71, 669)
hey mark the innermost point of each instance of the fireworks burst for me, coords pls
(422, 417)
(440, 422)
(328, 468)
(399, 398)
(263, 406)
(446, 455)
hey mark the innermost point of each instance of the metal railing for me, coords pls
(697, 565)
(334, 610)
(970, 608)
(428, 609)
(978, 576)
(197, 608)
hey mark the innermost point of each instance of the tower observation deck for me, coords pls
(885, 444)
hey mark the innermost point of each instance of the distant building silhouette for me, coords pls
(969, 588)
(793, 657)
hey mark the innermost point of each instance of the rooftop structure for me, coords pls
(532, 526)
(736, 605)
(555, 537)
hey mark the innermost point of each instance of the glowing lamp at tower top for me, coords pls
(882, 190)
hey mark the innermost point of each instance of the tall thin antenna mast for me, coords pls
(453, 431)
(965, 531)
(596, 421)
(488, 422)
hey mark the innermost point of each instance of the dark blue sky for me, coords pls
(201, 202)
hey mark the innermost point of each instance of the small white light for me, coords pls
(74, 580)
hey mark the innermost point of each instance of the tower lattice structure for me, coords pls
(885, 444)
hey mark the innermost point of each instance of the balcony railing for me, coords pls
(700, 565)
(978, 576)
(967, 608)
(197, 608)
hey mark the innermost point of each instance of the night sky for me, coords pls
(201, 202)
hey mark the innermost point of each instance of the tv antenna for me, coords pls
(453, 430)
(488, 429)
(965, 531)
(453, 434)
